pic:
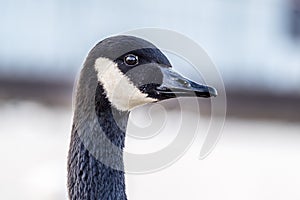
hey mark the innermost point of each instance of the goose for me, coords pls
(119, 74)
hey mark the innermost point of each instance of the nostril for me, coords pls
(184, 82)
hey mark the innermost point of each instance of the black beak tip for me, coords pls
(212, 91)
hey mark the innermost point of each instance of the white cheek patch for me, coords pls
(119, 90)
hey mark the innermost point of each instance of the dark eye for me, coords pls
(131, 60)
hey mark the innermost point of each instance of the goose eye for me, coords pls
(131, 60)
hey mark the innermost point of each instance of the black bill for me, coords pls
(174, 85)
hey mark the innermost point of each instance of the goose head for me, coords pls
(134, 72)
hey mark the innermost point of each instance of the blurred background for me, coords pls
(254, 43)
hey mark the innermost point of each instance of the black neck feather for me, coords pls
(95, 170)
